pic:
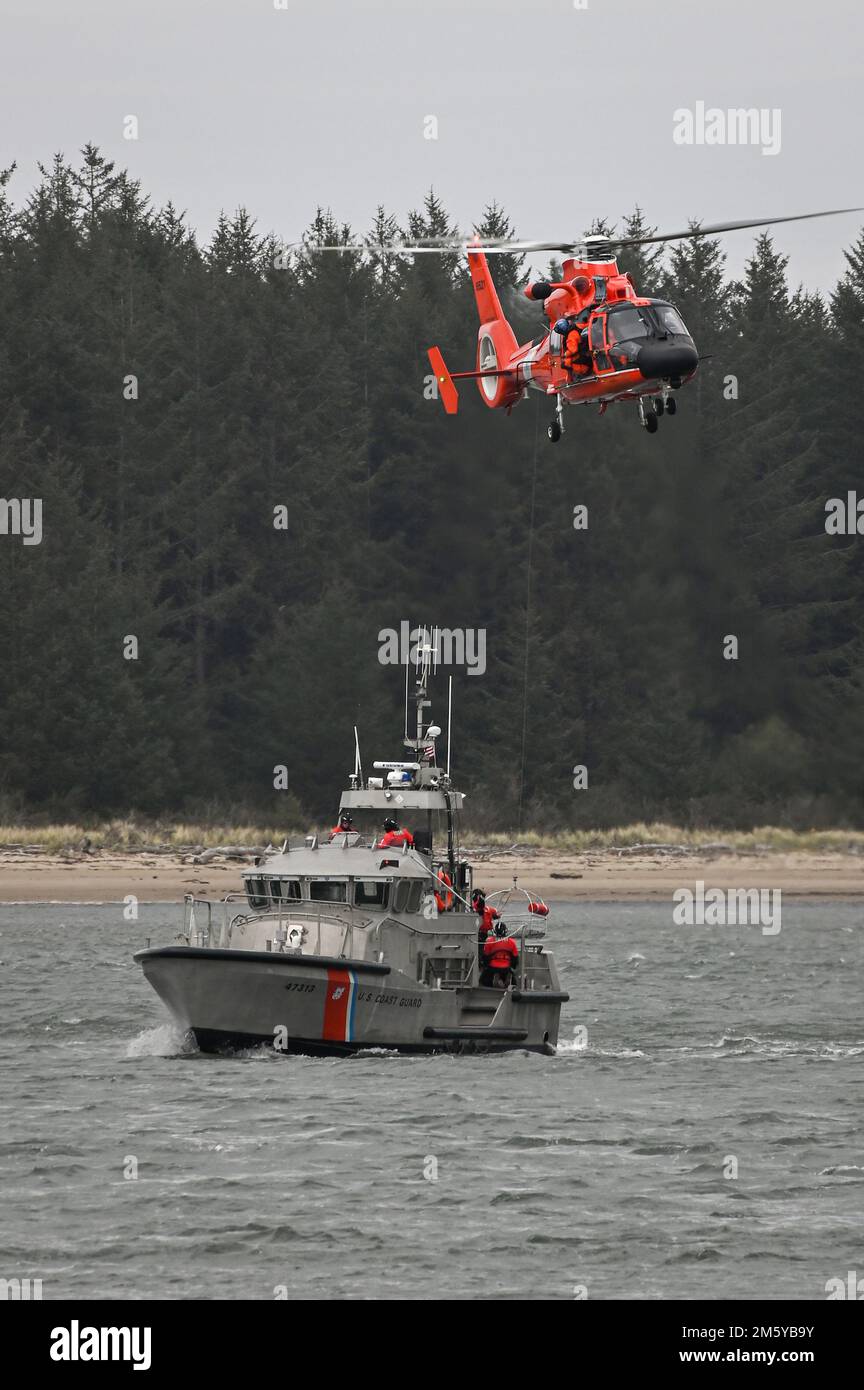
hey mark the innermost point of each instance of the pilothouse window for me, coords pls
(325, 891)
(283, 890)
(256, 891)
(407, 895)
(370, 893)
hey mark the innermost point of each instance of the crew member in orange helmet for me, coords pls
(393, 836)
(500, 955)
(488, 915)
(345, 825)
(576, 356)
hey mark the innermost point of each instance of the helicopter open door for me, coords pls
(597, 343)
(555, 348)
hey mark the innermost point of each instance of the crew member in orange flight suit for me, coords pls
(394, 837)
(578, 354)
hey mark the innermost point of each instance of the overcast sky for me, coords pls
(560, 113)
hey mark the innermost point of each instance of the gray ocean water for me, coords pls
(601, 1167)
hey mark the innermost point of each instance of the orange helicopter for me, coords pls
(605, 342)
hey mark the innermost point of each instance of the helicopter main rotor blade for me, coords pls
(450, 246)
(711, 229)
(700, 229)
(404, 248)
(714, 228)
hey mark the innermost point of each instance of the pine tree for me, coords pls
(495, 225)
(644, 263)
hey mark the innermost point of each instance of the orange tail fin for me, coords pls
(446, 388)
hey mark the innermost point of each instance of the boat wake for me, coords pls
(166, 1040)
(567, 1046)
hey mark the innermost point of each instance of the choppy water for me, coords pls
(600, 1167)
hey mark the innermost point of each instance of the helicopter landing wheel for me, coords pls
(671, 406)
(554, 430)
(648, 417)
(659, 405)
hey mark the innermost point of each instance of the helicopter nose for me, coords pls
(667, 359)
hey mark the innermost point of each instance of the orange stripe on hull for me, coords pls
(336, 1006)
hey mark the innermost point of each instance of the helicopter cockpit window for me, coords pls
(624, 324)
(669, 318)
(327, 891)
(370, 892)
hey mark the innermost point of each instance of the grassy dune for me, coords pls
(138, 835)
(123, 835)
(758, 840)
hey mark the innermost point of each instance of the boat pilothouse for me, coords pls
(370, 936)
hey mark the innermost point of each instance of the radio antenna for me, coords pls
(407, 664)
(449, 719)
(358, 769)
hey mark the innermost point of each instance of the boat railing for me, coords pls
(198, 918)
(308, 914)
(448, 972)
(533, 967)
(396, 924)
(532, 971)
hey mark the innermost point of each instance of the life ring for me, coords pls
(444, 899)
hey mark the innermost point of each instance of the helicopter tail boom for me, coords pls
(488, 303)
(496, 343)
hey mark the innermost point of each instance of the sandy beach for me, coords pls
(600, 876)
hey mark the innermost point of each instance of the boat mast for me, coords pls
(426, 664)
(425, 661)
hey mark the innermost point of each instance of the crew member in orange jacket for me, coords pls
(575, 352)
(394, 837)
(488, 915)
(500, 954)
(344, 826)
